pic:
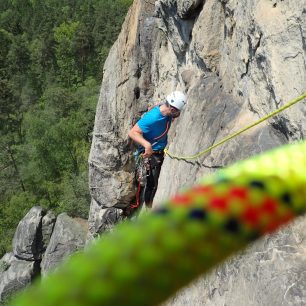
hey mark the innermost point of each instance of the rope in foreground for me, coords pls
(289, 104)
(144, 262)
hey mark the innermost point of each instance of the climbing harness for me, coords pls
(146, 261)
(289, 104)
(145, 168)
(142, 169)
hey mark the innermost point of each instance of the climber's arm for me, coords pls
(136, 134)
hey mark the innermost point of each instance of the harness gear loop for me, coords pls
(141, 170)
(289, 104)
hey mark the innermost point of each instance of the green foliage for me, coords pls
(65, 36)
(51, 59)
(11, 213)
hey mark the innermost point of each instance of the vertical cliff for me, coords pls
(126, 86)
(237, 61)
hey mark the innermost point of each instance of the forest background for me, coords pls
(51, 66)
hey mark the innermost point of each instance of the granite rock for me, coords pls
(27, 242)
(68, 237)
(15, 274)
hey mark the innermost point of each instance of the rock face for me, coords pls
(41, 242)
(111, 178)
(15, 274)
(271, 272)
(27, 242)
(68, 237)
(237, 61)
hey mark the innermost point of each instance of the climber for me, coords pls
(150, 132)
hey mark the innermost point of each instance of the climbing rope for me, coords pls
(289, 104)
(144, 262)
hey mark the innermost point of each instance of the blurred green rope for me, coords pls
(145, 262)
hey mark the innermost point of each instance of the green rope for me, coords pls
(144, 262)
(289, 104)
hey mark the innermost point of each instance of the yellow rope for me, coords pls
(292, 102)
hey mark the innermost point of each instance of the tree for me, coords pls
(65, 36)
(51, 59)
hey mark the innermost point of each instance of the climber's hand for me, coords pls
(148, 151)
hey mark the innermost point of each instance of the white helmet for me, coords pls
(177, 99)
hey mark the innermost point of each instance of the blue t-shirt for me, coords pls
(154, 126)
